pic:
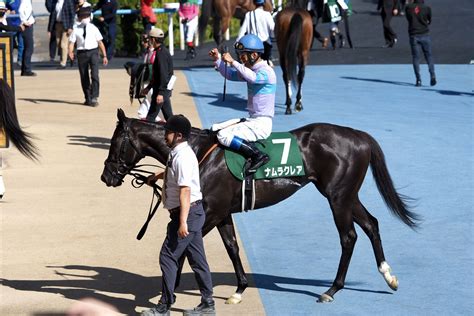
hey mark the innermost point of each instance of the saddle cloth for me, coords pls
(285, 158)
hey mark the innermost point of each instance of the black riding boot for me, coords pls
(258, 158)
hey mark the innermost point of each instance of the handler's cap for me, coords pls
(84, 12)
(178, 124)
(259, 2)
(156, 32)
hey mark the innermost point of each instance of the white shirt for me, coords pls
(93, 36)
(26, 12)
(183, 170)
(258, 22)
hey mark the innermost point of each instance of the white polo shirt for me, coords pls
(183, 170)
(93, 36)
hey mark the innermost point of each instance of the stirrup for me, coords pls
(257, 164)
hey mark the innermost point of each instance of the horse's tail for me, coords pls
(206, 12)
(397, 203)
(9, 122)
(294, 38)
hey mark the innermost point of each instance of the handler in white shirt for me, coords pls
(259, 22)
(88, 40)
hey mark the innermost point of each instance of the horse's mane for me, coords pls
(9, 122)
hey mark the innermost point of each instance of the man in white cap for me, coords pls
(161, 77)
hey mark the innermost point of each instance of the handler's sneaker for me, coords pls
(162, 309)
(205, 308)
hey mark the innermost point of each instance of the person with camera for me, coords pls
(261, 86)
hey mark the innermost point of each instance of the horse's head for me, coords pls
(132, 141)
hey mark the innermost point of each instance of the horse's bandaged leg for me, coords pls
(391, 280)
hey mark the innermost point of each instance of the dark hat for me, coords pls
(178, 124)
(84, 12)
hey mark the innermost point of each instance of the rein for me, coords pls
(140, 177)
(214, 146)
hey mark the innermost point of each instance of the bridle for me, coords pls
(140, 176)
(123, 168)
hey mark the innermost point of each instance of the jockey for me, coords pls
(261, 86)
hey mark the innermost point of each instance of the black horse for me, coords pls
(335, 159)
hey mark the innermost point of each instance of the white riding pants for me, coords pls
(251, 130)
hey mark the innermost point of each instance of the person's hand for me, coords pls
(183, 230)
(69, 32)
(144, 92)
(101, 18)
(395, 12)
(22, 27)
(150, 180)
(159, 99)
(71, 55)
(227, 57)
(214, 54)
(105, 61)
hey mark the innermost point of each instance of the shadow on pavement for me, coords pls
(93, 282)
(89, 141)
(38, 101)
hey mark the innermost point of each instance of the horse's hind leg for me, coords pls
(227, 232)
(301, 72)
(342, 213)
(370, 226)
(287, 84)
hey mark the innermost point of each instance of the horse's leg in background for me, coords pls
(370, 226)
(301, 72)
(286, 83)
(341, 206)
(216, 30)
(227, 232)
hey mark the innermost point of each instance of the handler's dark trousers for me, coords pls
(89, 59)
(155, 108)
(192, 246)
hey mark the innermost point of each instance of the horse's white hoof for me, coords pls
(393, 283)
(234, 299)
(324, 298)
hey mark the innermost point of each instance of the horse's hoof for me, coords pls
(393, 284)
(325, 298)
(234, 299)
(298, 107)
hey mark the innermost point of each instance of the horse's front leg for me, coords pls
(216, 30)
(348, 237)
(227, 232)
(301, 72)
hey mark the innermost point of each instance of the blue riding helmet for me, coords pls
(249, 43)
(259, 2)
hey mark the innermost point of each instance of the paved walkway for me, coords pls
(64, 234)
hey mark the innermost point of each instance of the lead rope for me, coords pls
(139, 179)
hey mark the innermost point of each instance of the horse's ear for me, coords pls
(121, 115)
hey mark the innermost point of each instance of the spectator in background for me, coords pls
(316, 9)
(162, 78)
(62, 22)
(388, 8)
(51, 8)
(13, 6)
(260, 23)
(419, 18)
(188, 12)
(148, 16)
(83, 4)
(88, 40)
(26, 16)
(109, 17)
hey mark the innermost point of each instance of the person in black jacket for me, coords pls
(162, 74)
(419, 18)
(388, 8)
(109, 17)
(62, 22)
